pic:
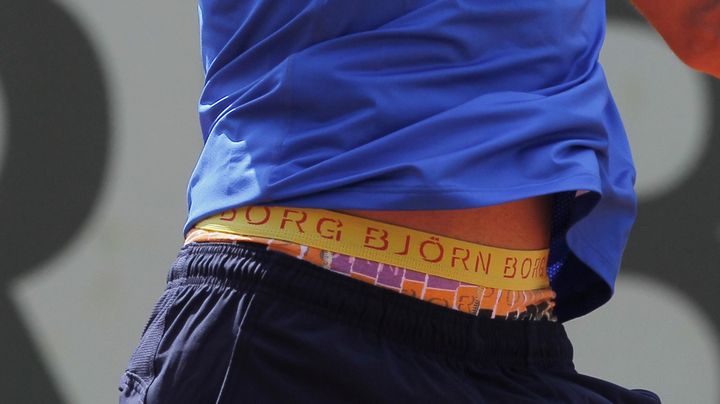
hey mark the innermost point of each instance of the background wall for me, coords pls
(99, 134)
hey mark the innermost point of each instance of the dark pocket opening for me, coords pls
(139, 372)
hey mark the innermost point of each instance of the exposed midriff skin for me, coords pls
(523, 224)
(690, 27)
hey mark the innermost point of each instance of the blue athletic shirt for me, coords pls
(419, 104)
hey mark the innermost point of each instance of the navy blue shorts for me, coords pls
(240, 324)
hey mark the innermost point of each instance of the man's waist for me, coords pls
(522, 224)
(392, 244)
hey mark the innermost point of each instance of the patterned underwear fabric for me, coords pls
(481, 301)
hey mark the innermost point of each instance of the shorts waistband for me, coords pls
(429, 328)
(389, 244)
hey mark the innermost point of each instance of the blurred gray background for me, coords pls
(99, 134)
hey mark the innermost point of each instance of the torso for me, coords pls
(523, 224)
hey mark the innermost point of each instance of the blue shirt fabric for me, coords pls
(419, 104)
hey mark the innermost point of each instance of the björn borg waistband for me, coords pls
(389, 244)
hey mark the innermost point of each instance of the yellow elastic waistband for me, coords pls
(390, 244)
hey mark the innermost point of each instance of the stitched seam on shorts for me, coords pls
(153, 368)
(243, 339)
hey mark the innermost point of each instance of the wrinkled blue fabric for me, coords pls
(418, 104)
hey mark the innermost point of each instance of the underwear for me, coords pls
(478, 300)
